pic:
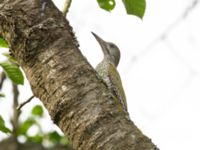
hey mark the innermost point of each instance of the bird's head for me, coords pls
(110, 50)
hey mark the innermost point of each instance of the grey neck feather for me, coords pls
(111, 53)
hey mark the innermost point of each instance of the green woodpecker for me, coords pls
(107, 69)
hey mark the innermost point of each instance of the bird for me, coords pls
(107, 69)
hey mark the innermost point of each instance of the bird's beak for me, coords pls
(102, 44)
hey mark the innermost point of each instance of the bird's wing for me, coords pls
(116, 85)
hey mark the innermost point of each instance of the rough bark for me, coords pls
(43, 43)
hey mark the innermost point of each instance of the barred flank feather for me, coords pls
(111, 77)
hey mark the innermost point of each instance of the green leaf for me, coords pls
(135, 7)
(3, 43)
(10, 58)
(2, 95)
(13, 72)
(37, 111)
(54, 137)
(106, 4)
(23, 128)
(38, 138)
(2, 122)
(64, 141)
(3, 128)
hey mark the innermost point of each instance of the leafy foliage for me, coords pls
(37, 111)
(10, 58)
(52, 137)
(56, 138)
(13, 72)
(106, 4)
(3, 43)
(135, 7)
(38, 138)
(3, 128)
(25, 126)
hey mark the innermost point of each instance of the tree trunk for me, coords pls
(44, 45)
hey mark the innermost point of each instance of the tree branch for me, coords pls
(15, 119)
(24, 103)
(60, 76)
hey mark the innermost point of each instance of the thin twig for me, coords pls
(24, 103)
(66, 6)
(15, 118)
(2, 79)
